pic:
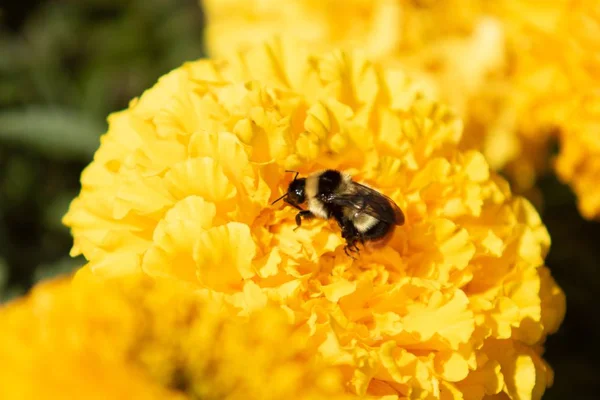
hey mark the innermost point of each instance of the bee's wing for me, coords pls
(366, 200)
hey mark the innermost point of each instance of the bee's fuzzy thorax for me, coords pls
(312, 185)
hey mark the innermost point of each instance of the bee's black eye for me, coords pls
(296, 191)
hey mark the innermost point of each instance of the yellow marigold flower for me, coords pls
(457, 304)
(431, 39)
(452, 45)
(579, 160)
(138, 339)
(380, 27)
(509, 68)
(555, 81)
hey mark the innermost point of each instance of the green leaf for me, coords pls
(55, 132)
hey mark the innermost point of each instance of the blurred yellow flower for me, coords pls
(458, 304)
(380, 27)
(138, 339)
(556, 82)
(579, 160)
(454, 46)
(509, 68)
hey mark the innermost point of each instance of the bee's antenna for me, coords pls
(279, 198)
(288, 170)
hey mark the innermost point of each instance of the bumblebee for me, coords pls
(362, 213)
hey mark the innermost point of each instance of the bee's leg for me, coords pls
(351, 235)
(348, 230)
(296, 206)
(361, 238)
(306, 214)
(351, 239)
(346, 250)
(348, 254)
(351, 246)
(336, 213)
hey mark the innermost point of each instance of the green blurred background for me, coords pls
(66, 64)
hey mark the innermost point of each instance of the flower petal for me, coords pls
(224, 256)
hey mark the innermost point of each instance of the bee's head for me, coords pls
(295, 192)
